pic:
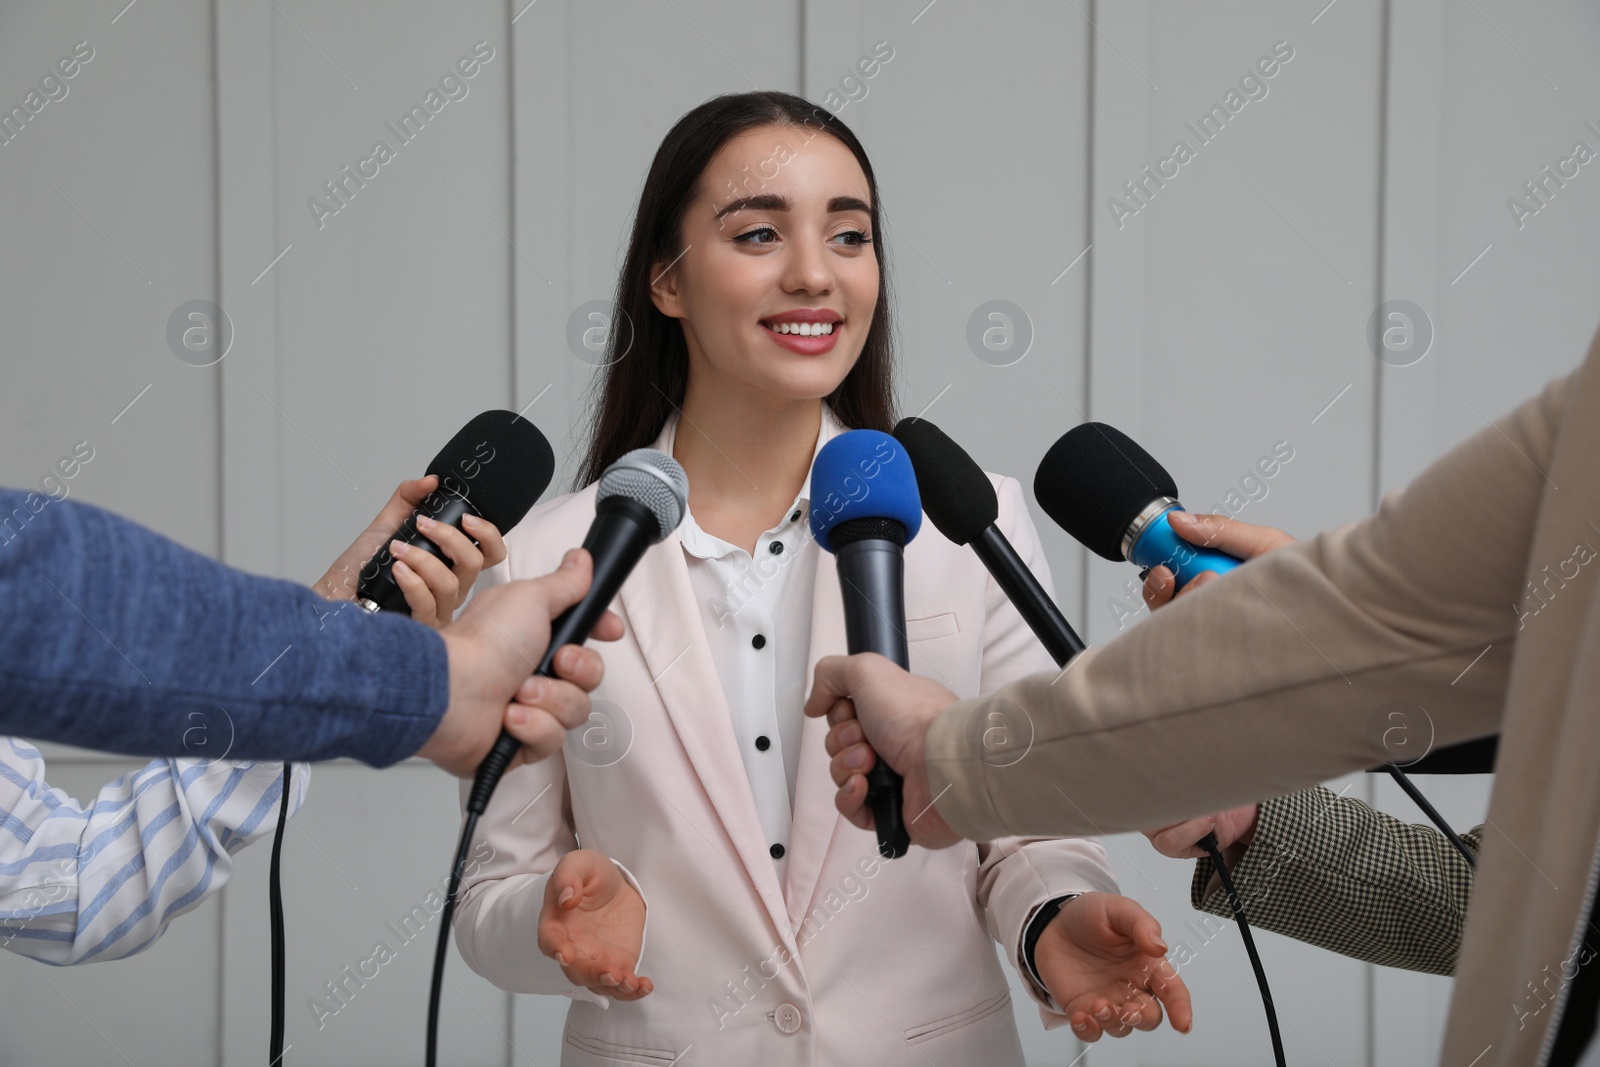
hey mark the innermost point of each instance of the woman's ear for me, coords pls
(664, 289)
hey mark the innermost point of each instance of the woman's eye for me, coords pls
(854, 238)
(763, 236)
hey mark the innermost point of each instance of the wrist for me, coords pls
(1034, 929)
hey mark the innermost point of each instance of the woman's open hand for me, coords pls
(593, 926)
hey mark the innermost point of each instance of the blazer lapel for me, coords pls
(659, 604)
(815, 818)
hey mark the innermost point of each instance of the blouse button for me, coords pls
(776, 548)
(762, 744)
(758, 642)
(777, 852)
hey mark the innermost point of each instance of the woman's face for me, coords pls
(778, 278)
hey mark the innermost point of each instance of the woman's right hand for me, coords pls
(593, 926)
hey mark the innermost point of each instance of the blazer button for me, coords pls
(786, 1018)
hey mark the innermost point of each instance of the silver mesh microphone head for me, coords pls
(655, 480)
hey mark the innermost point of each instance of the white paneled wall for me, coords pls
(1220, 312)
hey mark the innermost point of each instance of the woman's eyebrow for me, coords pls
(773, 202)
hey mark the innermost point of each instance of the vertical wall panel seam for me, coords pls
(1369, 975)
(513, 371)
(1088, 273)
(221, 993)
(1384, 32)
(801, 91)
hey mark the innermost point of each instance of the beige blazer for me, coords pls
(852, 960)
(1471, 594)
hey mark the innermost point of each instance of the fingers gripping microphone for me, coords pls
(641, 499)
(1112, 495)
(864, 510)
(495, 467)
(961, 502)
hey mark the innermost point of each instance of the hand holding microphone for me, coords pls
(493, 648)
(433, 588)
(1240, 540)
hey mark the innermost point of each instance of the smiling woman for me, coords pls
(755, 278)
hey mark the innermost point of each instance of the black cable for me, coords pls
(1209, 843)
(1428, 809)
(436, 994)
(275, 911)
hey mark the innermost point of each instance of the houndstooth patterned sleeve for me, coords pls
(1335, 873)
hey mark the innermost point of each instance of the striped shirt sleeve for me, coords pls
(84, 883)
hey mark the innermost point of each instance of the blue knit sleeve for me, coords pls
(116, 638)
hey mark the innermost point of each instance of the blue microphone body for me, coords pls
(1153, 542)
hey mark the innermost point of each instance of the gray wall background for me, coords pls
(1227, 314)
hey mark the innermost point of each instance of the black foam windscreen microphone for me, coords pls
(1094, 482)
(495, 467)
(1106, 491)
(960, 501)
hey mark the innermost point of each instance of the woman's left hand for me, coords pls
(433, 589)
(1104, 962)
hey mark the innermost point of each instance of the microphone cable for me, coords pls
(1432, 813)
(436, 991)
(1209, 843)
(275, 922)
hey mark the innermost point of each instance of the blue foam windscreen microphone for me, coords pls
(865, 509)
(1113, 496)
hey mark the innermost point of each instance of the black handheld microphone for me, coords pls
(641, 499)
(865, 510)
(495, 467)
(960, 501)
(1113, 496)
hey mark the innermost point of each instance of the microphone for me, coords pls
(1113, 496)
(869, 510)
(642, 498)
(495, 467)
(961, 502)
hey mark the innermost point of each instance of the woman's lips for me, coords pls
(806, 346)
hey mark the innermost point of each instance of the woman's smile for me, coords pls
(808, 331)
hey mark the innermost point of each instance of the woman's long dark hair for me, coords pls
(642, 385)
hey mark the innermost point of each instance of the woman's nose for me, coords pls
(808, 270)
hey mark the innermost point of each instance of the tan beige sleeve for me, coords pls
(1283, 673)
